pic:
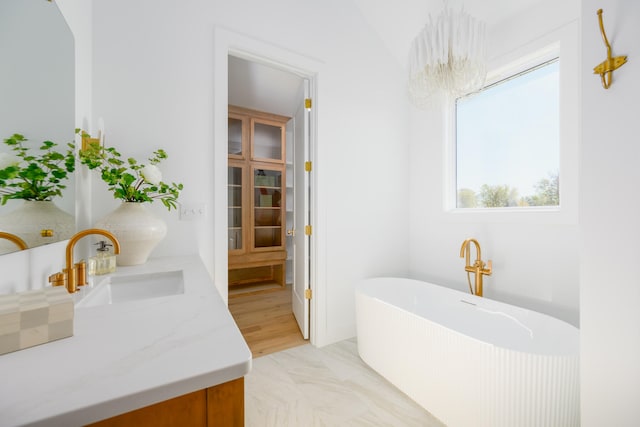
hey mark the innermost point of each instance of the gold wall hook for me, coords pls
(606, 67)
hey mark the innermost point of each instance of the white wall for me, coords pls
(153, 75)
(610, 289)
(535, 257)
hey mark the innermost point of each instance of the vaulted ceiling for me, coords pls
(398, 22)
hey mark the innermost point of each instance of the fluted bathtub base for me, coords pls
(462, 380)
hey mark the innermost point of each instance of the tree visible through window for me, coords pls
(508, 142)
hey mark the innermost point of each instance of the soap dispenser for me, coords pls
(104, 262)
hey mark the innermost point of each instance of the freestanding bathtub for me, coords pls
(469, 361)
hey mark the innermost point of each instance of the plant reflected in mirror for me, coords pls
(28, 173)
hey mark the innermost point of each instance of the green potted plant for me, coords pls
(36, 175)
(135, 184)
(130, 180)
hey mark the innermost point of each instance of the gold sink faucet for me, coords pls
(477, 268)
(75, 274)
(15, 239)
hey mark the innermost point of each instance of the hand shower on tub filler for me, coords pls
(478, 268)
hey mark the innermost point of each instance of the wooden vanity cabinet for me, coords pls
(218, 406)
(257, 195)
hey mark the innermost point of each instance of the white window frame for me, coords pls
(563, 44)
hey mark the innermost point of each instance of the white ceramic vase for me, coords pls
(137, 229)
(38, 223)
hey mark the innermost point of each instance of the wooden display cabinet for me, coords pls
(256, 197)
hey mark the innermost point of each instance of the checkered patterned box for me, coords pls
(35, 317)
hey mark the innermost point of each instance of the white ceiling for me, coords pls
(265, 88)
(398, 22)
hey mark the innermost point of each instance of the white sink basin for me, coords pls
(119, 289)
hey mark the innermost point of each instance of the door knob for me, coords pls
(291, 232)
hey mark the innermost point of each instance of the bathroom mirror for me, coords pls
(37, 84)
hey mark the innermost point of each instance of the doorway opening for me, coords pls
(269, 203)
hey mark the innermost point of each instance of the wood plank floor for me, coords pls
(266, 320)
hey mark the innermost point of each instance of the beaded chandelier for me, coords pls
(447, 58)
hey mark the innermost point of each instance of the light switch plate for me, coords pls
(192, 211)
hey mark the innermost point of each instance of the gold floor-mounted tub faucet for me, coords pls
(477, 268)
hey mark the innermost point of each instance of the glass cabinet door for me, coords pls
(268, 208)
(235, 208)
(235, 129)
(268, 141)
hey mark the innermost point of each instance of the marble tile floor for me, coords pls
(325, 387)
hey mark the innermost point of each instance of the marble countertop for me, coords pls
(126, 356)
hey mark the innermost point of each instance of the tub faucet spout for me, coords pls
(478, 268)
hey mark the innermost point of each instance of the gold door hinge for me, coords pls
(307, 230)
(307, 166)
(307, 103)
(308, 294)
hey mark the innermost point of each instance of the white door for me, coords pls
(301, 217)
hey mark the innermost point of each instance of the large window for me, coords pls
(508, 142)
